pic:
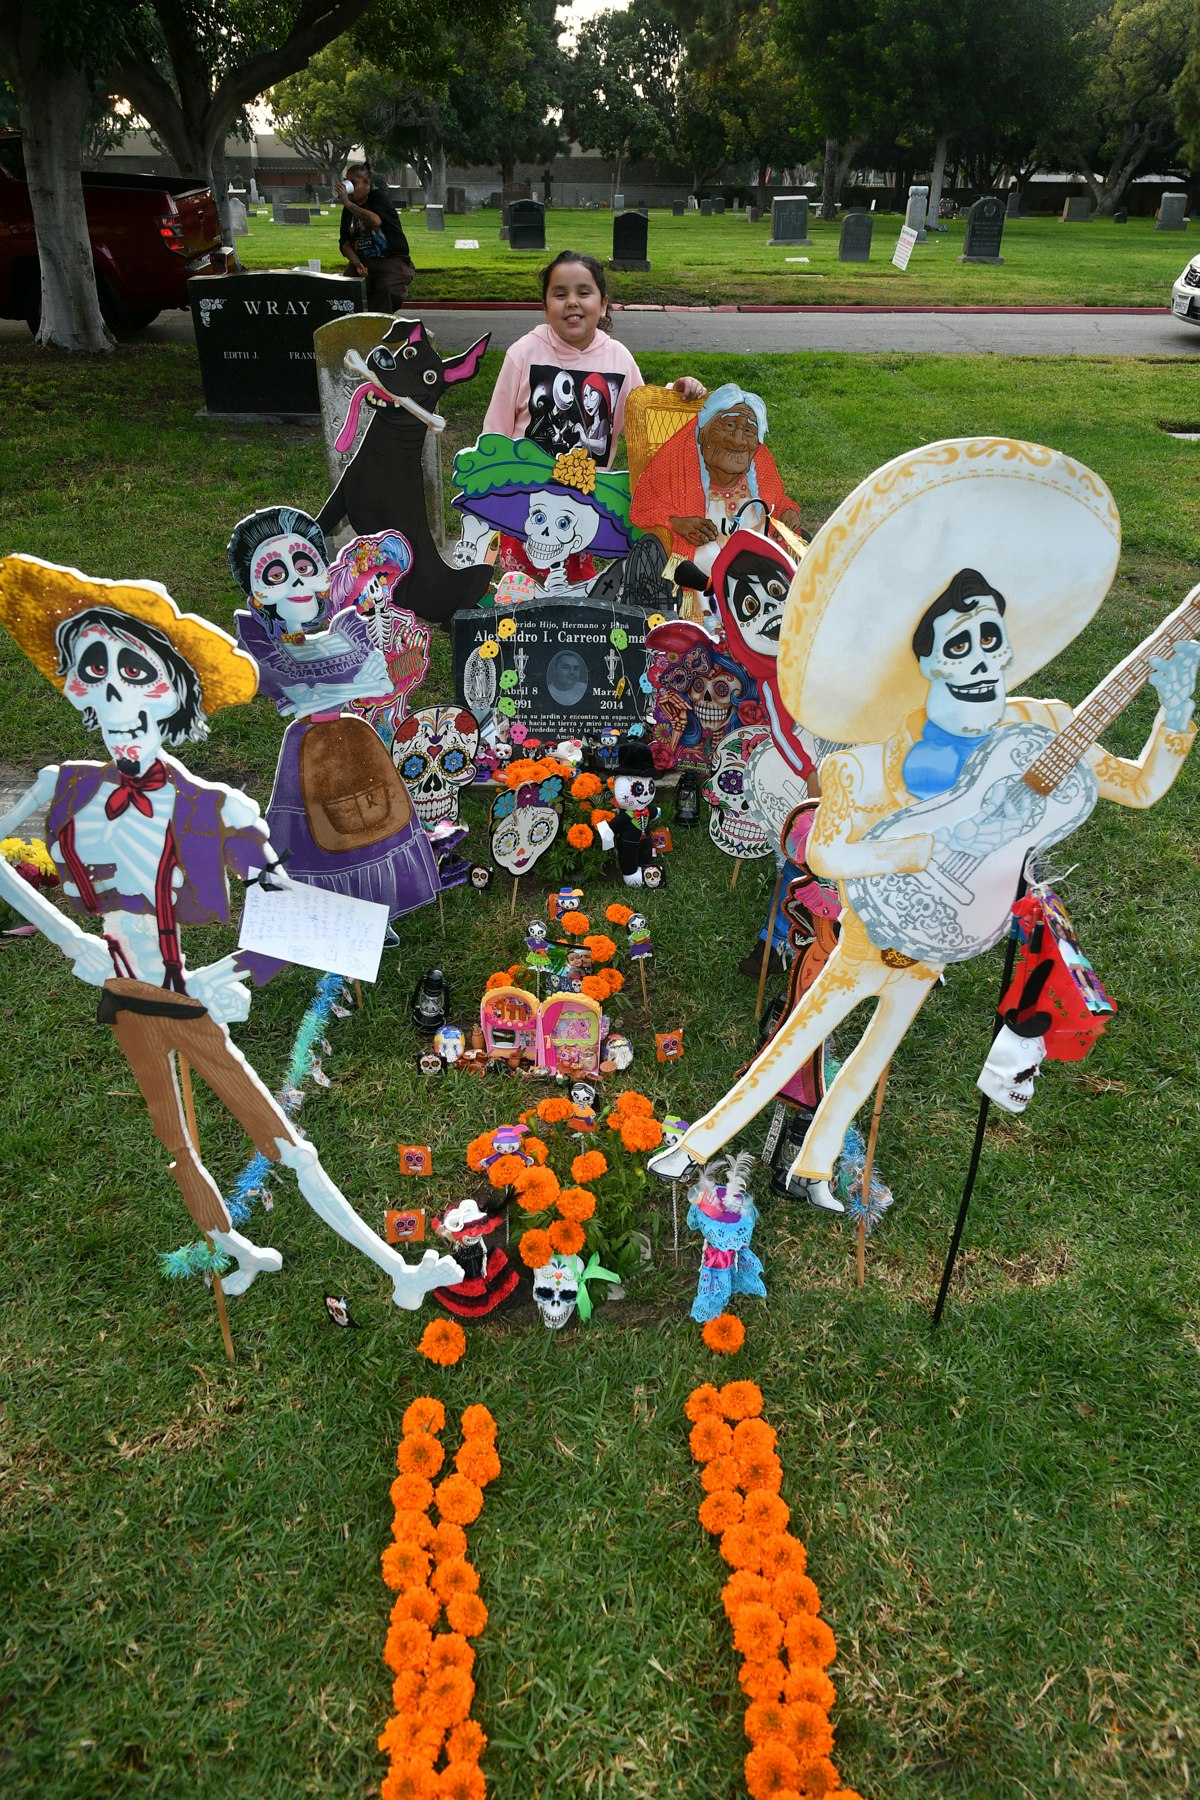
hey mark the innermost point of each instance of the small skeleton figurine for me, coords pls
(631, 832)
(726, 1216)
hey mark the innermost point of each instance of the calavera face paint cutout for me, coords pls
(733, 823)
(288, 574)
(434, 751)
(524, 823)
(125, 689)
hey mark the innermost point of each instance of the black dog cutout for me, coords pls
(382, 488)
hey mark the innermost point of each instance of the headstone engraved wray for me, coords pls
(527, 225)
(789, 220)
(914, 217)
(630, 238)
(568, 670)
(254, 337)
(985, 230)
(854, 242)
(1172, 213)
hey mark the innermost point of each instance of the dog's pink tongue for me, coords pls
(345, 436)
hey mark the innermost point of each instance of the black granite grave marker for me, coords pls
(568, 669)
(719, 205)
(854, 243)
(985, 229)
(526, 225)
(789, 220)
(294, 215)
(677, 209)
(254, 337)
(630, 233)
(706, 209)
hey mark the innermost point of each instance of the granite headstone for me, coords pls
(254, 337)
(719, 205)
(677, 209)
(295, 215)
(1121, 216)
(1075, 211)
(618, 203)
(1012, 205)
(914, 216)
(854, 240)
(789, 220)
(567, 666)
(706, 209)
(237, 217)
(435, 218)
(985, 229)
(630, 234)
(1172, 213)
(456, 200)
(527, 225)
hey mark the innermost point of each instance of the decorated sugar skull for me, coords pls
(128, 681)
(556, 1290)
(753, 593)
(434, 750)
(279, 560)
(618, 1050)
(963, 651)
(1011, 1069)
(733, 823)
(449, 1042)
(709, 682)
(524, 823)
(536, 934)
(634, 792)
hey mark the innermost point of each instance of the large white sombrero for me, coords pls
(1038, 526)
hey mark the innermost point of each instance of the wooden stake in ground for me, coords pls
(642, 973)
(737, 863)
(189, 1112)
(512, 911)
(441, 912)
(868, 1169)
(358, 991)
(770, 938)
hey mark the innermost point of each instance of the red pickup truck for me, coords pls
(148, 232)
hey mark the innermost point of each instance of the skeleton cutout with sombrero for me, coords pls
(146, 847)
(947, 576)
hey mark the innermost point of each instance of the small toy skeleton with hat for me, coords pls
(631, 833)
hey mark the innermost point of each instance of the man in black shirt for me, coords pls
(366, 215)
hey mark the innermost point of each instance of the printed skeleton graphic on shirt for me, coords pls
(573, 409)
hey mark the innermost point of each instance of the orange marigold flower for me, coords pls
(602, 948)
(602, 815)
(757, 1630)
(721, 1472)
(477, 1149)
(504, 1171)
(710, 1437)
(741, 1400)
(555, 1109)
(641, 1134)
(765, 1509)
(410, 1501)
(450, 1650)
(448, 1539)
(741, 1547)
(534, 1249)
(423, 1414)
(458, 1499)
(455, 1576)
(810, 1643)
(701, 1401)
(554, 765)
(589, 1165)
(781, 1553)
(407, 1689)
(467, 1742)
(595, 987)
(580, 837)
(566, 1237)
(721, 1510)
(762, 1470)
(462, 1781)
(743, 1587)
(478, 1461)
(448, 1695)
(807, 1732)
(725, 1334)
(417, 1603)
(819, 1778)
(410, 1492)
(846, 1794)
(404, 1565)
(813, 1686)
(533, 1146)
(753, 1434)
(575, 1202)
(443, 1342)
(576, 924)
(771, 1770)
(764, 1719)
(498, 979)
(616, 914)
(763, 1680)
(519, 771)
(420, 1454)
(409, 1778)
(586, 787)
(633, 1105)
(536, 1189)
(615, 980)
(467, 1614)
(477, 1422)
(407, 1645)
(793, 1593)
(425, 1744)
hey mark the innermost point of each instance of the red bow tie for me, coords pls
(133, 789)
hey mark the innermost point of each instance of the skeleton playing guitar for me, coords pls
(1024, 789)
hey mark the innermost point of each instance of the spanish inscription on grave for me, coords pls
(570, 669)
(254, 337)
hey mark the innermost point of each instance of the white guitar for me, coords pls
(1024, 789)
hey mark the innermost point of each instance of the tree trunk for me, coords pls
(218, 181)
(615, 188)
(52, 110)
(829, 180)
(933, 208)
(435, 192)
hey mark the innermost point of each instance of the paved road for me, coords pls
(944, 334)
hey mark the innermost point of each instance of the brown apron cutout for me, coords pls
(353, 796)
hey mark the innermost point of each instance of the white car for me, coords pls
(1185, 295)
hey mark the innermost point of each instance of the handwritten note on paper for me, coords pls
(309, 925)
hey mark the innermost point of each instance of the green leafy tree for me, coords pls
(1187, 94)
(620, 88)
(842, 55)
(311, 110)
(1124, 114)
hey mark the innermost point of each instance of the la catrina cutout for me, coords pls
(147, 848)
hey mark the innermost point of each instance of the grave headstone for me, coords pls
(1012, 205)
(255, 196)
(277, 211)
(1076, 210)
(1172, 213)
(294, 215)
(678, 209)
(618, 203)
(1121, 216)
(854, 240)
(568, 668)
(693, 205)
(719, 205)
(706, 209)
(493, 198)
(630, 233)
(914, 216)
(237, 216)
(754, 214)
(456, 201)
(254, 337)
(435, 218)
(985, 229)
(527, 225)
(789, 220)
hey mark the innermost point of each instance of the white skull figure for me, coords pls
(733, 824)
(536, 934)
(473, 540)
(521, 832)
(556, 1290)
(557, 526)
(124, 688)
(965, 669)
(289, 574)
(712, 694)
(1008, 1075)
(434, 750)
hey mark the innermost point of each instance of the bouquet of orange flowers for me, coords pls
(577, 845)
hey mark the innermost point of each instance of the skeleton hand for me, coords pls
(221, 988)
(414, 1280)
(556, 581)
(90, 960)
(604, 832)
(1173, 677)
(674, 709)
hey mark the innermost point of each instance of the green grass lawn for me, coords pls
(725, 261)
(1001, 1517)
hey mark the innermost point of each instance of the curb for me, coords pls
(1132, 312)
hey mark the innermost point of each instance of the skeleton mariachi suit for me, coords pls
(860, 787)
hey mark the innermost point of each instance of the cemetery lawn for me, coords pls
(725, 261)
(1001, 1517)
